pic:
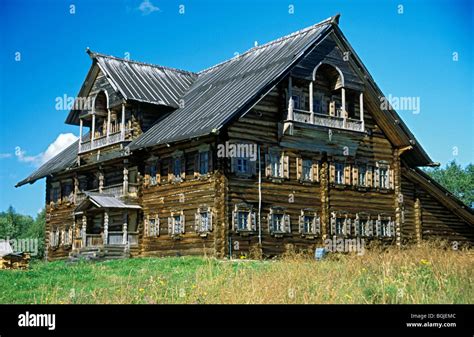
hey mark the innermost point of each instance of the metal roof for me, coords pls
(65, 159)
(103, 201)
(146, 82)
(222, 91)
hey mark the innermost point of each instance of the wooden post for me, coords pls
(361, 106)
(324, 176)
(80, 133)
(93, 130)
(311, 118)
(84, 228)
(343, 106)
(123, 122)
(101, 181)
(290, 99)
(106, 227)
(76, 187)
(125, 181)
(108, 125)
(399, 202)
(125, 227)
(418, 221)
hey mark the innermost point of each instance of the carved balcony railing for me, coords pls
(86, 144)
(326, 120)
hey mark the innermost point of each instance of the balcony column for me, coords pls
(125, 227)
(290, 99)
(93, 130)
(80, 133)
(106, 227)
(101, 181)
(125, 181)
(123, 122)
(311, 117)
(343, 106)
(76, 188)
(108, 125)
(361, 105)
(84, 228)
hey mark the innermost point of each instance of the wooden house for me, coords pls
(282, 146)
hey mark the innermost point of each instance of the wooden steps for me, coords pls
(100, 253)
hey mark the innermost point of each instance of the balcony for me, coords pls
(87, 145)
(329, 121)
(116, 190)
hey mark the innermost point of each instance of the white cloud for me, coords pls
(146, 7)
(61, 142)
(5, 155)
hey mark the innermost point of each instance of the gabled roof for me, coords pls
(222, 91)
(100, 200)
(144, 82)
(63, 160)
(215, 96)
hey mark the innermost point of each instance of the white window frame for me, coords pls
(200, 227)
(285, 221)
(249, 214)
(176, 228)
(152, 226)
(276, 164)
(315, 226)
(336, 177)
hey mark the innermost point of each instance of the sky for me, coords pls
(415, 49)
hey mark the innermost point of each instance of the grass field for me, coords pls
(415, 275)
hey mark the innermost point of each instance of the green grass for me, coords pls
(417, 275)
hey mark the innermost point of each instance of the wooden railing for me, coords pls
(115, 238)
(94, 240)
(327, 120)
(133, 238)
(116, 190)
(86, 144)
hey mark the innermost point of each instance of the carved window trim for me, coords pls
(315, 229)
(152, 226)
(203, 227)
(244, 212)
(278, 215)
(176, 227)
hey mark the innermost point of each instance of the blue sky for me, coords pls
(409, 54)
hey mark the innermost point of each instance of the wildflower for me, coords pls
(242, 257)
(424, 262)
(141, 290)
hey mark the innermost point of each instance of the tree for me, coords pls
(457, 180)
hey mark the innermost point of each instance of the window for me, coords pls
(278, 221)
(54, 238)
(153, 227)
(309, 223)
(339, 226)
(177, 167)
(203, 220)
(55, 192)
(242, 165)
(307, 169)
(383, 177)
(385, 227)
(203, 162)
(276, 165)
(339, 173)
(362, 175)
(67, 191)
(176, 224)
(243, 218)
(153, 173)
(296, 101)
(317, 104)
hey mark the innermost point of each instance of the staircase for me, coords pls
(100, 253)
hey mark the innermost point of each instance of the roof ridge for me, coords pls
(93, 54)
(332, 19)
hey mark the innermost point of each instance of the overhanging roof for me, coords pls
(103, 201)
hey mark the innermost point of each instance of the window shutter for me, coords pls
(196, 165)
(268, 167)
(301, 222)
(316, 224)
(315, 170)
(210, 219)
(356, 225)
(391, 178)
(170, 226)
(376, 177)
(234, 220)
(157, 225)
(63, 236)
(355, 175)
(170, 169)
(299, 168)
(286, 167)
(183, 222)
(391, 228)
(347, 174)
(269, 222)
(333, 224)
(369, 176)
(253, 167)
(332, 173)
(183, 167)
(287, 223)
(378, 224)
(197, 221)
(146, 225)
(253, 221)
(146, 180)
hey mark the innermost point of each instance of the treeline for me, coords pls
(457, 180)
(14, 225)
